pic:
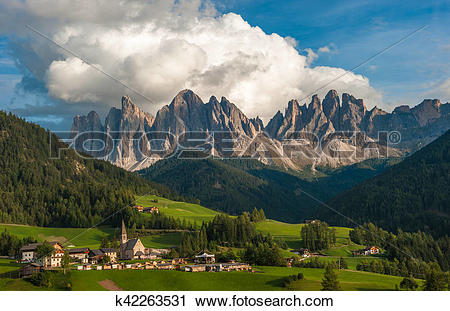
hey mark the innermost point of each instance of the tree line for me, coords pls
(318, 235)
(10, 244)
(405, 246)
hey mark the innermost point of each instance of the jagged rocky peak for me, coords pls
(91, 122)
(185, 97)
(331, 103)
(348, 99)
(427, 110)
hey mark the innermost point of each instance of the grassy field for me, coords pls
(191, 212)
(267, 278)
(6, 283)
(80, 237)
(164, 240)
(70, 236)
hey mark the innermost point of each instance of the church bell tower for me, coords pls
(123, 240)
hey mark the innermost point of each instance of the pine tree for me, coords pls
(330, 279)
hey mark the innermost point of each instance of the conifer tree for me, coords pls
(330, 279)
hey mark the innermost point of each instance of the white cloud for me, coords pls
(440, 90)
(163, 46)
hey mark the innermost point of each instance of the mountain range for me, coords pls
(187, 112)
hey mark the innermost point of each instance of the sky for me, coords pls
(259, 54)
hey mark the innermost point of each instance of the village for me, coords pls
(132, 254)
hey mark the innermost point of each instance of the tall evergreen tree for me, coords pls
(330, 279)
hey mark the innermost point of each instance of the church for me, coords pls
(130, 249)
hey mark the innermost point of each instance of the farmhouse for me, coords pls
(139, 208)
(151, 210)
(95, 256)
(111, 253)
(205, 258)
(370, 250)
(195, 268)
(29, 254)
(304, 252)
(130, 249)
(79, 254)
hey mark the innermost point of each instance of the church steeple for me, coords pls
(123, 241)
(124, 237)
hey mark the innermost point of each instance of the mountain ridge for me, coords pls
(187, 112)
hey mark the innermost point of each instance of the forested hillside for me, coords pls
(412, 195)
(234, 186)
(68, 192)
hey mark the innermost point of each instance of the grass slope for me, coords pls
(268, 278)
(190, 212)
(81, 237)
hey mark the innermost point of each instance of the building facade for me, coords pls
(130, 249)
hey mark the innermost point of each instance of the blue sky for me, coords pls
(360, 29)
(353, 30)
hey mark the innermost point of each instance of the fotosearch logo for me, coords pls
(158, 145)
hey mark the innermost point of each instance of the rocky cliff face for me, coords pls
(187, 112)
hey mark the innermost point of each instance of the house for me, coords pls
(236, 266)
(155, 253)
(111, 253)
(205, 258)
(130, 249)
(139, 208)
(195, 268)
(79, 254)
(370, 250)
(303, 252)
(312, 221)
(178, 261)
(29, 269)
(29, 254)
(151, 210)
(164, 266)
(95, 256)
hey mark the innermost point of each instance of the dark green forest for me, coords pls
(234, 186)
(67, 192)
(409, 248)
(412, 195)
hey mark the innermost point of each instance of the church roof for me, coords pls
(131, 244)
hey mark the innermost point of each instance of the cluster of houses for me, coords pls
(370, 250)
(148, 210)
(130, 249)
(302, 252)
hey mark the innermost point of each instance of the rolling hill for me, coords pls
(412, 195)
(235, 186)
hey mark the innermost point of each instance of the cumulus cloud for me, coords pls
(161, 47)
(440, 90)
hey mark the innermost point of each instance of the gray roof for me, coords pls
(139, 253)
(96, 252)
(131, 244)
(30, 247)
(78, 250)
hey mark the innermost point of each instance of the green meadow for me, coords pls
(266, 278)
(81, 237)
(188, 211)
